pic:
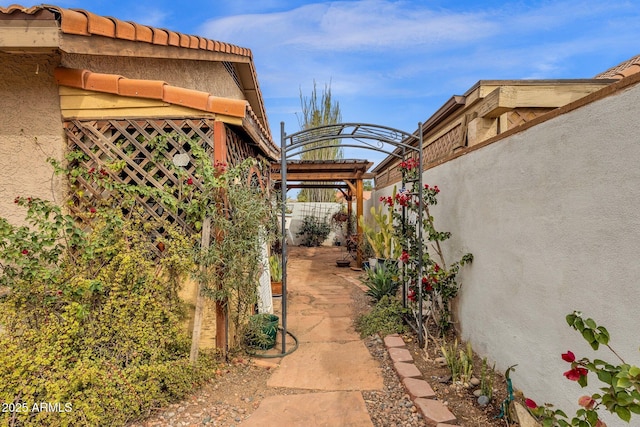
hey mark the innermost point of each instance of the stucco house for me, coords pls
(70, 74)
(73, 80)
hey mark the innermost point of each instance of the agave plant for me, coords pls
(382, 281)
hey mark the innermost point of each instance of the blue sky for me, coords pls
(394, 63)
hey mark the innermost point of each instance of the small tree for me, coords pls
(319, 111)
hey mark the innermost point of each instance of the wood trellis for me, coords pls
(123, 149)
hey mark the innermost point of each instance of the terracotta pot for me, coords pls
(276, 289)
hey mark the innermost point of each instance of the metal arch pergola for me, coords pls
(357, 135)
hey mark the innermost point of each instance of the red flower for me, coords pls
(569, 357)
(587, 402)
(190, 181)
(103, 172)
(530, 404)
(16, 200)
(25, 252)
(92, 210)
(404, 257)
(436, 268)
(412, 295)
(600, 423)
(92, 170)
(576, 373)
(436, 189)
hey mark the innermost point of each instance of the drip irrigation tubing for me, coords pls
(273, 356)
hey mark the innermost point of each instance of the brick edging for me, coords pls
(420, 391)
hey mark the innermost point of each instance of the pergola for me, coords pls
(345, 175)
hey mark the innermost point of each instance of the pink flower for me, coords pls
(404, 257)
(569, 357)
(587, 402)
(576, 373)
(530, 404)
(600, 423)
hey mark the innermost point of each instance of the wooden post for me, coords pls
(359, 213)
(220, 155)
(199, 314)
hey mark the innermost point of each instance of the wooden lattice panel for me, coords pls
(123, 150)
(237, 150)
(442, 146)
(522, 115)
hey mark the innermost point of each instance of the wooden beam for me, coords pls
(320, 176)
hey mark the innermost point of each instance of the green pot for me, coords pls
(262, 331)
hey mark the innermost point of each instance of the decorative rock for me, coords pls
(525, 419)
(441, 361)
(483, 400)
(474, 382)
(477, 393)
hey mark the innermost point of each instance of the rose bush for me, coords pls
(620, 393)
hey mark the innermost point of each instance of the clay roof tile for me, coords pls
(124, 30)
(174, 38)
(235, 107)
(71, 77)
(160, 36)
(186, 97)
(99, 25)
(153, 89)
(73, 22)
(102, 82)
(143, 33)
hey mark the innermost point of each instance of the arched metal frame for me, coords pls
(360, 135)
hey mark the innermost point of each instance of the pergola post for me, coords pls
(359, 213)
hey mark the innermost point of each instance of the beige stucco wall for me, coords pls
(30, 131)
(205, 76)
(551, 216)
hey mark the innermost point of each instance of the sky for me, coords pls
(394, 63)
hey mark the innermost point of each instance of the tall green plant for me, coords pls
(318, 111)
(91, 316)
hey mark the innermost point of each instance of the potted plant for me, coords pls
(261, 331)
(275, 270)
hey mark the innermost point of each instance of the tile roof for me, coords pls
(155, 89)
(79, 22)
(622, 70)
(84, 23)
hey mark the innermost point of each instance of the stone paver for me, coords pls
(394, 341)
(418, 388)
(407, 370)
(435, 411)
(400, 355)
(329, 409)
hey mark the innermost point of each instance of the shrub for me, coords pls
(314, 230)
(91, 318)
(385, 318)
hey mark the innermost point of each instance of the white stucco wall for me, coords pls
(30, 131)
(552, 218)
